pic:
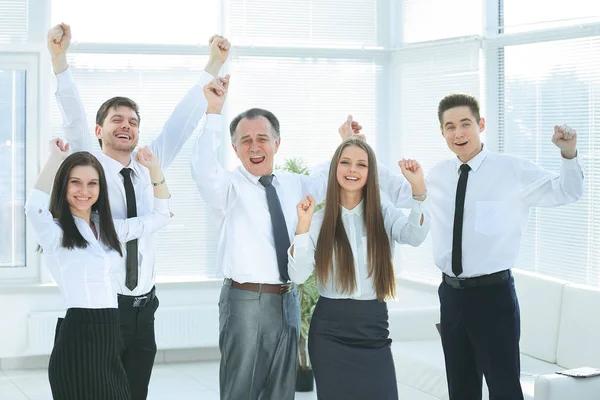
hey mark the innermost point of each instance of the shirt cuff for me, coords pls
(205, 77)
(418, 208)
(64, 80)
(214, 122)
(301, 240)
(39, 199)
(573, 162)
(163, 206)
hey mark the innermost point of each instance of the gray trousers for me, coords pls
(258, 340)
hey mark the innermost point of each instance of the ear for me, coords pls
(277, 143)
(442, 131)
(481, 124)
(98, 132)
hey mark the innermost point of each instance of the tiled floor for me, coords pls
(169, 381)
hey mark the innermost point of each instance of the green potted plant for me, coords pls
(308, 295)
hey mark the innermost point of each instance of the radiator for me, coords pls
(176, 328)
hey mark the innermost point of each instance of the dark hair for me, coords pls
(60, 209)
(333, 239)
(252, 114)
(458, 100)
(114, 103)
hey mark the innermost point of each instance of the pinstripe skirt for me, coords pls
(350, 350)
(86, 359)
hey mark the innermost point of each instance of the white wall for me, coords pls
(19, 339)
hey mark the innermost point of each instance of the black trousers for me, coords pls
(85, 361)
(137, 329)
(480, 329)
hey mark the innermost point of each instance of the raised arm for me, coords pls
(133, 228)
(74, 121)
(414, 229)
(543, 188)
(212, 180)
(301, 254)
(48, 233)
(187, 114)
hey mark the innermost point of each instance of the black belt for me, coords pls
(478, 281)
(138, 301)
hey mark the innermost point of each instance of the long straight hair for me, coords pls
(333, 239)
(61, 210)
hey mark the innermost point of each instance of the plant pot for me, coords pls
(304, 380)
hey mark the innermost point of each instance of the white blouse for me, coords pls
(399, 228)
(87, 278)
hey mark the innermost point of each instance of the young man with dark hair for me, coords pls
(129, 186)
(479, 207)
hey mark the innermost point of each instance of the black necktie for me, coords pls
(461, 190)
(131, 271)
(280, 233)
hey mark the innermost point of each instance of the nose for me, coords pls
(125, 125)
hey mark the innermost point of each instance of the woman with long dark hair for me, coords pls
(81, 245)
(348, 246)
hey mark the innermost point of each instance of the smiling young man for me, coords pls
(130, 186)
(479, 207)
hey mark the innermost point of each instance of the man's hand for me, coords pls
(58, 149)
(565, 139)
(412, 171)
(219, 52)
(350, 129)
(216, 93)
(59, 39)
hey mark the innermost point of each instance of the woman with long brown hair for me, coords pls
(349, 245)
(81, 244)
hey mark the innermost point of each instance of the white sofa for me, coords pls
(560, 329)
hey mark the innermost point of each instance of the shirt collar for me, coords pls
(358, 210)
(114, 167)
(254, 179)
(476, 161)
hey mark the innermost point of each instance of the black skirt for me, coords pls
(86, 359)
(350, 350)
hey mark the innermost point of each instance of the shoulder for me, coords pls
(442, 166)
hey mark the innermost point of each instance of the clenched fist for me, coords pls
(59, 39)
(216, 93)
(565, 139)
(306, 209)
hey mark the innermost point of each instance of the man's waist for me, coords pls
(477, 281)
(276, 288)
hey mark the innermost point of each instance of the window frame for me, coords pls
(28, 62)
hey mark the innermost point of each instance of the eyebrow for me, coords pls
(122, 116)
(348, 159)
(260, 135)
(462, 120)
(78, 179)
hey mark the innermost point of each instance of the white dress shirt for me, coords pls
(88, 278)
(246, 246)
(399, 228)
(501, 189)
(176, 131)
